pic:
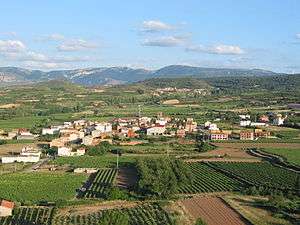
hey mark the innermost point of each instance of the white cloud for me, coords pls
(155, 26)
(11, 46)
(45, 65)
(165, 41)
(217, 49)
(55, 37)
(76, 45)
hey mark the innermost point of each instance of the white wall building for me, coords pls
(156, 131)
(245, 123)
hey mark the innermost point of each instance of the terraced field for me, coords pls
(104, 179)
(207, 179)
(29, 216)
(149, 214)
(261, 174)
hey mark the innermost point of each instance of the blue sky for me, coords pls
(66, 34)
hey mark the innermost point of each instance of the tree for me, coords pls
(99, 149)
(114, 218)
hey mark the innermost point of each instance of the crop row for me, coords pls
(207, 179)
(261, 174)
(151, 214)
(28, 216)
(104, 179)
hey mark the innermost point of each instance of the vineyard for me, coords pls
(35, 187)
(261, 174)
(29, 216)
(103, 179)
(207, 179)
(150, 214)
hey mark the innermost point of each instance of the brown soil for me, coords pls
(126, 178)
(213, 210)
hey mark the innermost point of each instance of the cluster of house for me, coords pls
(159, 91)
(264, 120)
(214, 133)
(87, 133)
(27, 155)
(19, 134)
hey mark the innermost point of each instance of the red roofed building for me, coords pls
(6, 208)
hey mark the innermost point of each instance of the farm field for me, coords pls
(207, 179)
(291, 155)
(250, 209)
(92, 161)
(261, 174)
(126, 178)
(145, 214)
(102, 180)
(212, 210)
(29, 216)
(237, 151)
(35, 187)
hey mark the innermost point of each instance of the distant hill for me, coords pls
(119, 75)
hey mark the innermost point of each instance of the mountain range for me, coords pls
(118, 75)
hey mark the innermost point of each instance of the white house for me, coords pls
(104, 127)
(64, 151)
(279, 120)
(158, 130)
(245, 123)
(213, 126)
(87, 140)
(258, 124)
(50, 131)
(6, 208)
(20, 158)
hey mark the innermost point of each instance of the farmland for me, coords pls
(29, 215)
(290, 155)
(261, 174)
(145, 214)
(47, 186)
(92, 161)
(212, 210)
(207, 179)
(102, 180)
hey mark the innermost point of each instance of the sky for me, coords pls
(69, 34)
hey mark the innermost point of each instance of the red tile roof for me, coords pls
(7, 204)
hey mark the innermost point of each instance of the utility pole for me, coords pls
(117, 159)
(140, 110)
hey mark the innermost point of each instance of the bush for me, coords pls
(204, 146)
(2, 142)
(99, 149)
(114, 218)
(161, 177)
(116, 194)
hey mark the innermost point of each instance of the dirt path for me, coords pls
(213, 210)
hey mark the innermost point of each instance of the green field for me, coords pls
(207, 179)
(290, 155)
(147, 214)
(93, 161)
(103, 180)
(29, 216)
(35, 187)
(261, 174)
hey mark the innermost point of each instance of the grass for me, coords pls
(35, 187)
(93, 161)
(290, 155)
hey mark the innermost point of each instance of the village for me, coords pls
(73, 138)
